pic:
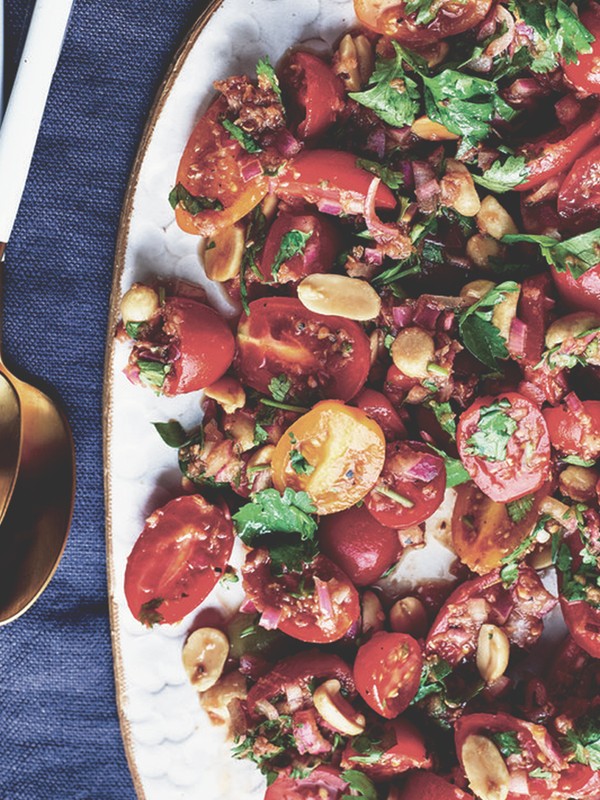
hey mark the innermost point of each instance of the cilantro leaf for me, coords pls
(392, 179)
(583, 740)
(241, 136)
(538, 772)
(264, 70)
(280, 388)
(425, 10)
(479, 334)
(270, 512)
(434, 671)
(153, 373)
(456, 474)
(508, 743)
(363, 786)
(502, 177)
(577, 254)
(494, 430)
(179, 196)
(445, 416)
(297, 461)
(517, 510)
(256, 235)
(292, 244)
(174, 435)
(393, 95)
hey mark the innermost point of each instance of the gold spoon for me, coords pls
(37, 460)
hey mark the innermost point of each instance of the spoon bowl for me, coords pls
(39, 505)
(10, 437)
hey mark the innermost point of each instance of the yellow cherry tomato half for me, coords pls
(334, 453)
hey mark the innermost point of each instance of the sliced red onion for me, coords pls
(503, 608)
(286, 143)
(408, 177)
(425, 469)
(499, 45)
(517, 337)
(499, 686)
(329, 207)
(373, 256)
(385, 235)
(523, 91)
(251, 169)
(270, 618)
(426, 316)
(402, 316)
(447, 320)
(574, 404)
(248, 606)
(324, 598)
(132, 373)
(427, 187)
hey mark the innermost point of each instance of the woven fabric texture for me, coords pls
(60, 732)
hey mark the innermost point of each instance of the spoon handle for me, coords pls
(23, 116)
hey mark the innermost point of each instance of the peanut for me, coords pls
(412, 352)
(139, 303)
(485, 768)
(493, 653)
(570, 326)
(494, 219)
(431, 131)
(481, 249)
(578, 483)
(475, 290)
(340, 296)
(228, 393)
(373, 616)
(408, 615)
(223, 253)
(458, 189)
(204, 655)
(336, 710)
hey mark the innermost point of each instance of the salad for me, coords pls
(409, 229)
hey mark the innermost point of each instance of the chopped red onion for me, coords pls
(518, 779)
(270, 618)
(287, 145)
(251, 169)
(447, 320)
(329, 207)
(574, 404)
(267, 709)
(376, 142)
(503, 608)
(427, 187)
(425, 469)
(517, 337)
(373, 256)
(426, 316)
(402, 315)
(324, 598)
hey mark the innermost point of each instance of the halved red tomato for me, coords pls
(580, 293)
(484, 532)
(332, 181)
(578, 782)
(379, 408)
(185, 347)
(334, 452)
(323, 783)
(584, 73)
(504, 445)
(387, 672)
(318, 605)
(579, 195)
(212, 171)
(319, 355)
(313, 92)
(574, 427)
(534, 309)
(583, 622)
(361, 546)
(317, 255)
(429, 786)
(411, 485)
(178, 559)
(403, 746)
(443, 18)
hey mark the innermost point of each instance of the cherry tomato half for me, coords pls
(280, 337)
(504, 445)
(188, 346)
(579, 195)
(356, 542)
(331, 180)
(323, 783)
(211, 168)
(583, 622)
(580, 293)
(390, 18)
(177, 560)
(379, 408)
(403, 746)
(411, 485)
(578, 782)
(483, 532)
(317, 255)
(429, 786)
(318, 605)
(334, 452)
(584, 73)
(313, 92)
(574, 427)
(387, 672)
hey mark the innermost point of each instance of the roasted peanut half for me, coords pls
(413, 351)
(494, 219)
(408, 615)
(431, 131)
(570, 326)
(204, 655)
(223, 253)
(262, 457)
(373, 615)
(493, 653)
(481, 249)
(485, 768)
(458, 189)
(228, 393)
(578, 483)
(340, 296)
(336, 710)
(139, 303)
(354, 61)
(217, 700)
(475, 290)
(504, 313)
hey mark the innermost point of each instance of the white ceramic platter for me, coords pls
(173, 750)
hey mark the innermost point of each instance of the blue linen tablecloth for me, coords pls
(60, 735)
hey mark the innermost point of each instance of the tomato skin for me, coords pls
(584, 73)
(581, 293)
(323, 783)
(281, 337)
(345, 448)
(358, 544)
(429, 786)
(579, 195)
(379, 408)
(303, 616)
(575, 428)
(578, 782)
(404, 749)
(527, 461)
(583, 622)
(210, 167)
(314, 92)
(330, 178)
(387, 672)
(425, 495)
(317, 256)
(483, 532)
(177, 559)
(556, 157)
(388, 17)
(535, 306)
